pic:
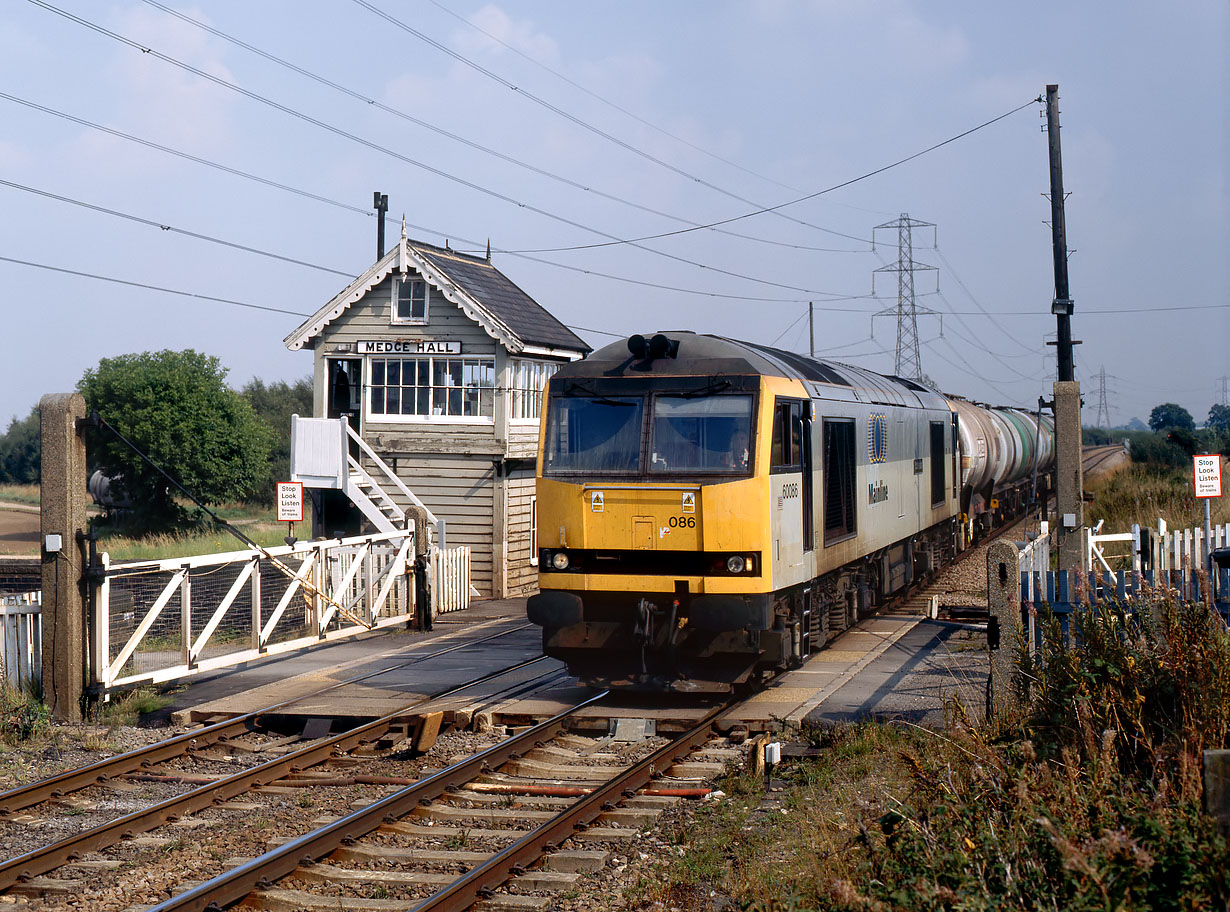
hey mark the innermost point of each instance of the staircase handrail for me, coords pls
(388, 472)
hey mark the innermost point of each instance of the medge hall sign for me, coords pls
(408, 347)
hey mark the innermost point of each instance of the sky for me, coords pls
(635, 166)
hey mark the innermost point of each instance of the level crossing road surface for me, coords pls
(898, 667)
(258, 685)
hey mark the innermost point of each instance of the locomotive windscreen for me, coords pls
(700, 433)
(689, 432)
(599, 434)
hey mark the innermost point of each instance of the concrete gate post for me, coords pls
(63, 497)
(1003, 627)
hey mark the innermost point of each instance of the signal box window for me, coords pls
(701, 434)
(409, 301)
(839, 466)
(439, 388)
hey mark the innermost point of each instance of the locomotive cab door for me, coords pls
(809, 514)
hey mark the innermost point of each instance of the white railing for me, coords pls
(450, 579)
(156, 621)
(21, 639)
(1095, 550)
(320, 458)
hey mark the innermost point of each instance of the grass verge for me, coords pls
(1089, 800)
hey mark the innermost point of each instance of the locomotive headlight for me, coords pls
(735, 563)
(559, 560)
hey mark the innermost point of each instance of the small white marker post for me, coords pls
(1206, 472)
(290, 506)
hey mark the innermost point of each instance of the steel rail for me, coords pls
(24, 796)
(234, 885)
(49, 857)
(484, 879)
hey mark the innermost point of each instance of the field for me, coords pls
(19, 531)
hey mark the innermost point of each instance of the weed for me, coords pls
(23, 715)
(306, 801)
(126, 708)
(458, 841)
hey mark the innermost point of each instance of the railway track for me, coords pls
(463, 834)
(65, 821)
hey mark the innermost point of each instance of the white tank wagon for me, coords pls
(1002, 450)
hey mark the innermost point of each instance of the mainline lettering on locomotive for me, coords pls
(877, 492)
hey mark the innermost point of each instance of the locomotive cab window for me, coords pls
(598, 434)
(839, 466)
(786, 453)
(693, 433)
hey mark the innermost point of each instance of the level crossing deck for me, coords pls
(886, 667)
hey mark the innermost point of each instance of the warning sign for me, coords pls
(290, 501)
(689, 503)
(1207, 475)
(595, 501)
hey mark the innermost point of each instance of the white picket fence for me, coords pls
(1186, 549)
(1162, 550)
(21, 639)
(450, 579)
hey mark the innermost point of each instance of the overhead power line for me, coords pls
(164, 290)
(455, 137)
(171, 228)
(572, 118)
(793, 202)
(393, 153)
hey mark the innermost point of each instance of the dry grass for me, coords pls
(1090, 800)
(29, 495)
(215, 541)
(1143, 492)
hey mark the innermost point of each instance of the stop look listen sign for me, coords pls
(1207, 470)
(290, 501)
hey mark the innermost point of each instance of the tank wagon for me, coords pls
(712, 511)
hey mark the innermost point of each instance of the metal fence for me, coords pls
(156, 621)
(1060, 592)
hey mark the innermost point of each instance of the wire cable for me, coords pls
(171, 228)
(487, 150)
(793, 202)
(477, 245)
(393, 153)
(522, 92)
(131, 284)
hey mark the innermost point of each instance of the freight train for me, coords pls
(710, 511)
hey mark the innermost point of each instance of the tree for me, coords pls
(1170, 415)
(1219, 419)
(177, 409)
(274, 404)
(21, 450)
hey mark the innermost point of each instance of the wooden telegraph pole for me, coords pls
(1069, 484)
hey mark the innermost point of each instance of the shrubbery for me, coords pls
(1089, 800)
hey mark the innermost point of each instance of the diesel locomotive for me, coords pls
(711, 511)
